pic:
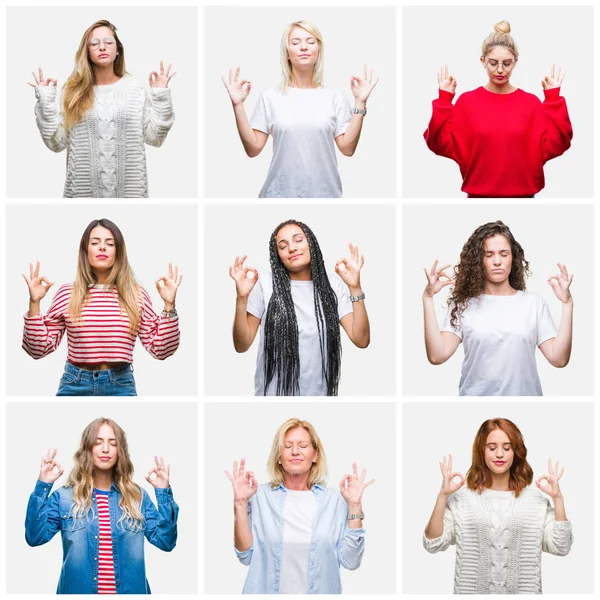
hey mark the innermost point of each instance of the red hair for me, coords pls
(521, 473)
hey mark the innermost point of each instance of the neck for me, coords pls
(505, 88)
(101, 278)
(304, 275)
(105, 75)
(297, 483)
(500, 482)
(499, 289)
(302, 78)
(103, 480)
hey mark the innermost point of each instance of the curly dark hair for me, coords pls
(469, 273)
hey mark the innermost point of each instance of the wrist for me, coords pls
(169, 306)
(240, 503)
(360, 104)
(427, 296)
(241, 300)
(355, 290)
(355, 507)
(442, 496)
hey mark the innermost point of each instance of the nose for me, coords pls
(105, 447)
(102, 45)
(497, 260)
(304, 45)
(295, 450)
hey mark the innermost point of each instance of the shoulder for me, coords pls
(129, 81)
(337, 284)
(534, 495)
(527, 97)
(64, 292)
(531, 298)
(464, 495)
(144, 295)
(470, 96)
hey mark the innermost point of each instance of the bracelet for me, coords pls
(352, 516)
(357, 298)
(359, 111)
(169, 313)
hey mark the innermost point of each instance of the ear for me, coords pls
(482, 60)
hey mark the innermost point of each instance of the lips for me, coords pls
(497, 270)
(295, 256)
(499, 463)
(101, 256)
(296, 461)
(304, 55)
(105, 458)
(103, 56)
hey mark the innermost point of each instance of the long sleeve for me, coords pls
(245, 556)
(42, 334)
(158, 334)
(49, 119)
(447, 538)
(439, 135)
(352, 547)
(161, 524)
(42, 521)
(556, 139)
(558, 535)
(158, 116)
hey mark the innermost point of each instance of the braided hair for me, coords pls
(282, 357)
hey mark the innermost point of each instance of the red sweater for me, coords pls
(500, 141)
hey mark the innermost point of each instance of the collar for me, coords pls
(317, 489)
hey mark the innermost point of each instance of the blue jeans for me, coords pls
(110, 382)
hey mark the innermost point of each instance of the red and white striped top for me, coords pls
(106, 563)
(102, 334)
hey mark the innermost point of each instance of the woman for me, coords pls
(304, 117)
(499, 525)
(101, 502)
(499, 322)
(300, 349)
(294, 532)
(102, 312)
(103, 118)
(500, 136)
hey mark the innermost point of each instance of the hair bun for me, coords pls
(502, 27)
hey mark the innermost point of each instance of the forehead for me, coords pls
(288, 232)
(101, 32)
(497, 437)
(500, 53)
(106, 431)
(101, 232)
(297, 434)
(496, 243)
(300, 33)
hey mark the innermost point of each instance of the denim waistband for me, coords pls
(87, 375)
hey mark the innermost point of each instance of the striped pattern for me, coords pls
(103, 334)
(106, 565)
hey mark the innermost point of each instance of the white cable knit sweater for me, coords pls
(105, 150)
(470, 524)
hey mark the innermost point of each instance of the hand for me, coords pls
(238, 90)
(48, 474)
(446, 82)
(40, 81)
(349, 268)
(167, 286)
(436, 279)
(449, 486)
(353, 486)
(363, 86)
(244, 484)
(239, 273)
(561, 283)
(161, 80)
(162, 473)
(38, 286)
(551, 486)
(554, 80)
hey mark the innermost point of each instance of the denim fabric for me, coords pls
(47, 514)
(333, 542)
(110, 382)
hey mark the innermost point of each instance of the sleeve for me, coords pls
(158, 334)
(260, 116)
(557, 137)
(161, 524)
(447, 326)
(343, 114)
(49, 118)
(245, 556)
(546, 329)
(42, 521)
(158, 117)
(256, 301)
(439, 135)
(352, 547)
(558, 535)
(343, 296)
(42, 334)
(448, 536)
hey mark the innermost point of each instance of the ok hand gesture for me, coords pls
(238, 90)
(161, 79)
(38, 285)
(50, 469)
(161, 472)
(353, 486)
(561, 283)
(349, 268)
(363, 86)
(244, 483)
(449, 486)
(446, 82)
(167, 286)
(551, 486)
(40, 81)
(554, 80)
(245, 277)
(436, 279)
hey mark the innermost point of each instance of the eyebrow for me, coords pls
(109, 439)
(295, 235)
(100, 239)
(297, 39)
(496, 444)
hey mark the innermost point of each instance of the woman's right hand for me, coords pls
(40, 81)
(446, 82)
(449, 486)
(238, 90)
(47, 466)
(244, 483)
(243, 284)
(38, 285)
(436, 279)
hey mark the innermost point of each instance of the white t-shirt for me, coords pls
(311, 380)
(299, 511)
(304, 124)
(500, 335)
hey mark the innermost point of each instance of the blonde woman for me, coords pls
(102, 312)
(103, 118)
(304, 117)
(294, 532)
(102, 515)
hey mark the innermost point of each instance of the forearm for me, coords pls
(34, 308)
(242, 535)
(361, 330)
(355, 508)
(434, 342)
(353, 131)
(561, 349)
(247, 134)
(48, 119)
(559, 509)
(241, 329)
(435, 527)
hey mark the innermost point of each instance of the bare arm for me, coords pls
(439, 345)
(242, 534)
(244, 487)
(245, 325)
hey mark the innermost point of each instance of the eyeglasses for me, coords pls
(507, 64)
(108, 41)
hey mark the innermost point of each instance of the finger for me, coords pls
(550, 466)
(363, 474)
(175, 272)
(179, 280)
(170, 270)
(36, 272)
(354, 471)
(162, 68)
(561, 473)
(364, 72)
(370, 76)
(229, 475)
(242, 467)
(236, 76)
(376, 82)
(369, 483)
(445, 71)
(552, 72)
(434, 267)
(168, 70)
(362, 261)
(235, 469)
(450, 462)
(171, 76)
(443, 268)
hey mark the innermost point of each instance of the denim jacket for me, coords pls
(47, 514)
(333, 542)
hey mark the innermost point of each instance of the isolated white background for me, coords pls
(560, 431)
(432, 37)
(149, 35)
(548, 234)
(250, 37)
(157, 430)
(235, 230)
(153, 235)
(361, 432)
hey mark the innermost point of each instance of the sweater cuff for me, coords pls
(37, 317)
(445, 97)
(45, 93)
(553, 94)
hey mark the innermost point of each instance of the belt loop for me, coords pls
(79, 372)
(131, 367)
(111, 375)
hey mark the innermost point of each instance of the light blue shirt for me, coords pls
(333, 542)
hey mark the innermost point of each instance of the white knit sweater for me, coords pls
(532, 529)
(137, 115)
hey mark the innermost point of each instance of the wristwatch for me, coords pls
(169, 313)
(358, 298)
(359, 111)
(352, 516)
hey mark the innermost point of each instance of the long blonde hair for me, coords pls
(121, 277)
(286, 65)
(81, 479)
(78, 91)
(500, 37)
(318, 471)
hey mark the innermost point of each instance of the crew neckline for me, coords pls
(498, 493)
(502, 295)
(497, 94)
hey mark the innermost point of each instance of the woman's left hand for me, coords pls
(561, 283)
(167, 286)
(161, 80)
(554, 80)
(551, 486)
(162, 473)
(349, 268)
(353, 486)
(363, 86)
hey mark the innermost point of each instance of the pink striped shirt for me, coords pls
(103, 333)
(106, 564)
